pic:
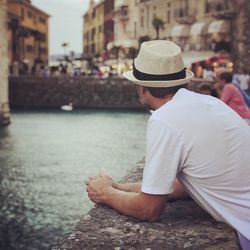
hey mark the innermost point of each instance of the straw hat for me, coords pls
(159, 64)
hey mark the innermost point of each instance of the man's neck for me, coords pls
(158, 102)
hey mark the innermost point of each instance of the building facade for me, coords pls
(93, 29)
(204, 29)
(28, 36)
(4, 99)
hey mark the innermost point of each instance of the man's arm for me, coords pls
(138, 205)
(127, 187)
(179, 192)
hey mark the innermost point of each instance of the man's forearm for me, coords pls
(128, 187)
(138, 205)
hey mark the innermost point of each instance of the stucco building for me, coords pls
(204, 29)
(93, 29)
(28, 35)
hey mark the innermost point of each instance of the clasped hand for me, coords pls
(97, 186)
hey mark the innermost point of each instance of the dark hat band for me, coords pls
(152, 77)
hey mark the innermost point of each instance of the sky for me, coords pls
(65, 23)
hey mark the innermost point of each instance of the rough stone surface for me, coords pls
(183, 225)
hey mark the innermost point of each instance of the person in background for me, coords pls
(248, 89)
(244, 93)
(182, 155)
(244, 78)
(230, 94)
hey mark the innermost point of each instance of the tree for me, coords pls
(65, 45)
(4, 104)
(157, 24)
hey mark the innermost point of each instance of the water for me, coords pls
(45, 158)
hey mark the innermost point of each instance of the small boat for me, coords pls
(68, 107)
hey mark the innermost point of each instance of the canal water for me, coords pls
(45, 157)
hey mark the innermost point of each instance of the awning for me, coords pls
(123, 44)
(219, 26)
(196, 56)
(199, 28)
(180, 31)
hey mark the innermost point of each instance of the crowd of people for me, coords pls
(232, 89)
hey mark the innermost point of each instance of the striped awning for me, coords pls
(199, 28)
(180, 31)
(219, 26)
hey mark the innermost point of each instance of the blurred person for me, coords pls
(248, 88)
(231, 95)
(244, 78)
(182, 156)
(208, 74)
(236, 82)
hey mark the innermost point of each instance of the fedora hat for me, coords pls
(159, 64)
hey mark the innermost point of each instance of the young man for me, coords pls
(196, 144)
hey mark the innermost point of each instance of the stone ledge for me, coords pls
(183, 225)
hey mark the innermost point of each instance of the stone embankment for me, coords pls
(83, 92)
(183, 225)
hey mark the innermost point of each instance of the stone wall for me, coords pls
(183, 225)
(84, 92)
(52, 92)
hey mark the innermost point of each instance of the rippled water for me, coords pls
(44, 159)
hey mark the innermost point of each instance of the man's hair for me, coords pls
(226, 76)
(163, 92)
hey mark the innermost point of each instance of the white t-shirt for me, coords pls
(204, 143)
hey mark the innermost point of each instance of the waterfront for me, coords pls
(45, 157)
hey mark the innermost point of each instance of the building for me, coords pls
(108, 22)
(4, 100)
(211, 33)
(28, 36)
(93, 29)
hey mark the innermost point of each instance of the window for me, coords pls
(92, 48)
(142, 18)
(86, 18)
(93, 14)
(42, 20)
(142, 21)
(93, 34)
(168, 16)
(43, 50)
(22, 13)
(100, 28)
(87, 36)
(29, 48)
(29, 14)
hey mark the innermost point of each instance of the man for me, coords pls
(232, 96)
(196, 144)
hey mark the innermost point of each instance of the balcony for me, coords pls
(224, 14)
(219, 11)
(183, 16)
(186, 20)
(121, 13)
